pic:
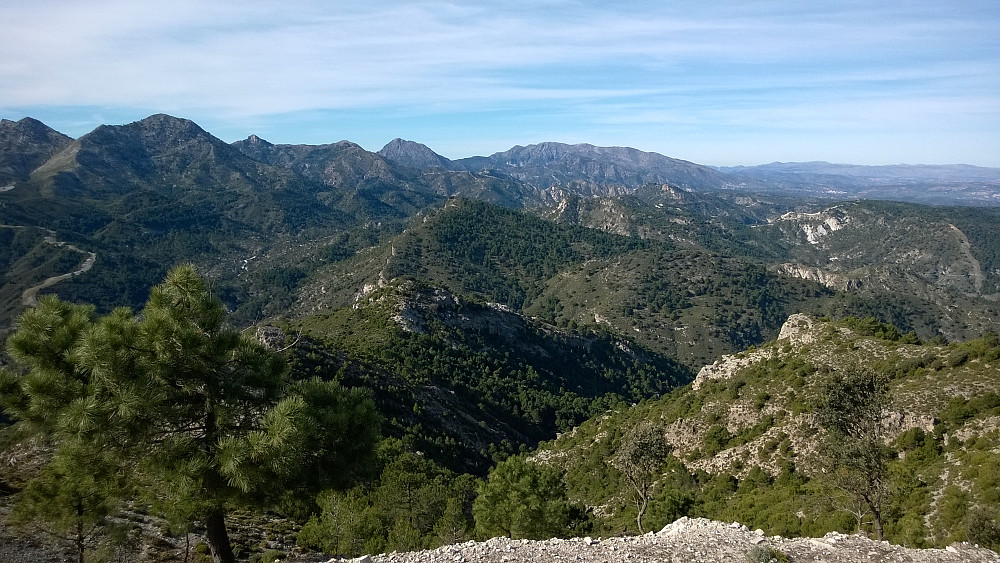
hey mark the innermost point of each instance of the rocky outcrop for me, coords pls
(797, 330)
(727, 366)
(817, 225)
(689, 539)
(829, 279)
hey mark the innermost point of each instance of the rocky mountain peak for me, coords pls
(254, 140)
(413, 154)
(157, 132)
(163, 124)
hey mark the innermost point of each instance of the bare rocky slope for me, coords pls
(690, 539)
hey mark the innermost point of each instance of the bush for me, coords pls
(761, 554)
(983, 529)
(716, 439)
(269, 556)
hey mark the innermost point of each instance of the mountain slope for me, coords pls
(161, 191)
(458, 379)
(746, 443)
(685, 302)
(941, 260)
(935, 270)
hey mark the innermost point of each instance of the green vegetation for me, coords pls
(511, 381)
(476, 332)
(207, 418)
(762, 554)
(521, 499)
(412, 503)
(642, 453)
(749, 448)
(856, 458)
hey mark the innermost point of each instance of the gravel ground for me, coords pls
(688, 540)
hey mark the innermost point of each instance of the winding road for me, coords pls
(29, 297)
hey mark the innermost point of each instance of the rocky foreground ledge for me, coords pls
(689, 540)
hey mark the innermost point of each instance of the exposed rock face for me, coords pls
(689, 539)
(798, 330)
(815, 226)
(604, 214)
(829, 279)
(726, 366)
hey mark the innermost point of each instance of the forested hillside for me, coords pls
(747, 443)
(470, 382)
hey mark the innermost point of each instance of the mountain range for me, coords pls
(260, 217)
(494, 302)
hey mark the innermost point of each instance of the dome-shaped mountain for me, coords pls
(413, 154)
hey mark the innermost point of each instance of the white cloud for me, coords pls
(741, 64)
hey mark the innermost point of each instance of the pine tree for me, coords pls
(71, 499)
(522, 499)
(210, 417)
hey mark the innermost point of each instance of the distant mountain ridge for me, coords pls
(953, 184)
(25, 145)
(558, 170)
(582, 169)
(942, 172)
(546, 172)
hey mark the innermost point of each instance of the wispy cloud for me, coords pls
(741, 65)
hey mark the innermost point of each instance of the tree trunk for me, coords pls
(218, 537)
(81, 546)
(81, 543)
(878, 524)
(644, 500)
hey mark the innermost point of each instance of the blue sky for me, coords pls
(714, 82)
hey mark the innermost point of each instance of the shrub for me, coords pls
(762, 554)
(983, 529)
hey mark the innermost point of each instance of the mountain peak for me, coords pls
(24, 145)
(413, 154)
(162, 122)
(155, 129)
(255, 141)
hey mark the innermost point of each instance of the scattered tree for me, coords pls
(854, 406)
(640, 456)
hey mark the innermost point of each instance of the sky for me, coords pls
(714, 82)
